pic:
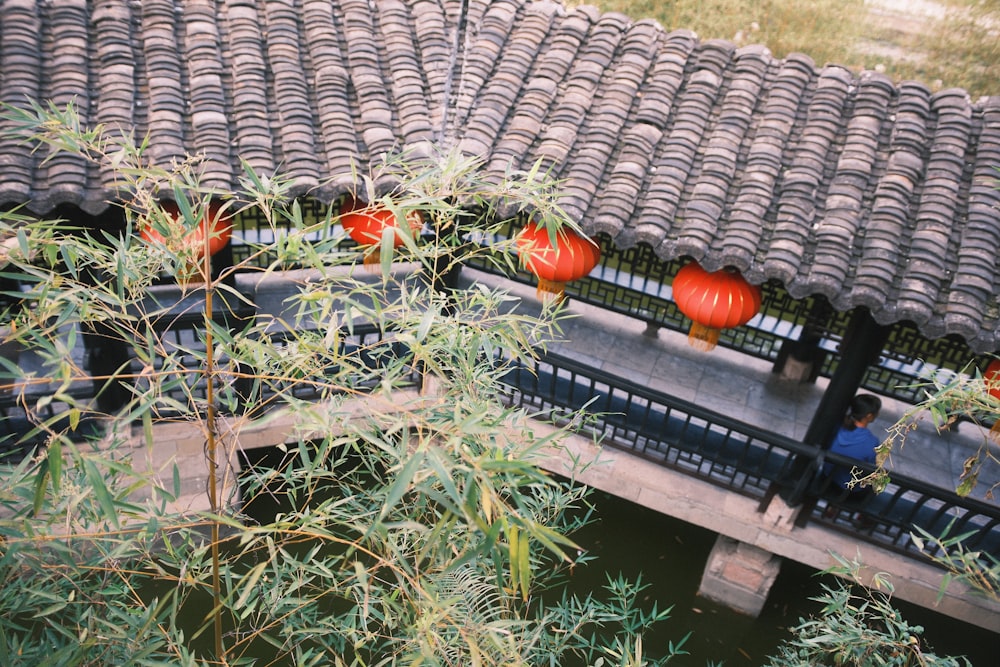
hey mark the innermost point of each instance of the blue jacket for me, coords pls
(858, 444)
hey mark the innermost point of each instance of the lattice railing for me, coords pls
(636, 282)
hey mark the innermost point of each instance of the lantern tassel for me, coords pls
(373, 261)
(702, 337)
(189, 272)
(549, 290)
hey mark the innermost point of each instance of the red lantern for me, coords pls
(221, 230)
(365, 223)
(714, 301)
(191, 243)
(573, 257)
(991, 376)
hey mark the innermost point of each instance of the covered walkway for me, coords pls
(745, 388)
(727, 389)
(840, 186)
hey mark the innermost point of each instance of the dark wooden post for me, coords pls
(862, 344)
(107, 351)
(806, 351)
(108, 357)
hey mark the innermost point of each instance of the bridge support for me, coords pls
(739, 575)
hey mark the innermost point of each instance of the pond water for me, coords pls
(671, 554)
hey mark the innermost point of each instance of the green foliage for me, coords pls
(980, 570)
(407, 523)
(820, 29)
(958, 49)
(948, 398)
(857, 627)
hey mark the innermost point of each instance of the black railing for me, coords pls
(359, 350)
(745, 459)
(669, 431)
(636, 283)
(889, 517)
(364, 347)
(28, 414)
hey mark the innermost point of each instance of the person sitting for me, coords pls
(855, 440)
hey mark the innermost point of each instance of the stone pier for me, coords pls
(739, 575)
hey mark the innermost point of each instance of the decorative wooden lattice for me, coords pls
(636, 282)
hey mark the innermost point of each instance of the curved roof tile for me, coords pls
(834, 183)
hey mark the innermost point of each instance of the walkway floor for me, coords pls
(744, 388)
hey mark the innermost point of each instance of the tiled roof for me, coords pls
(834, 183)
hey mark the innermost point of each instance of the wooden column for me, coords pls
(106, 351)
(862, 345)
(801, 360)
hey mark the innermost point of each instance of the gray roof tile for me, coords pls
(834, 183)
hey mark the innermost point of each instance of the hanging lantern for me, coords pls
(991, 376)
(365, 223)
(714, 301)
(573, 257)
(191, 243)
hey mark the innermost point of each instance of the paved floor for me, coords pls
(744, 388)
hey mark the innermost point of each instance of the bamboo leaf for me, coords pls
(96, 481)
(51, 609)
(513, 557)
(69, 259)
(386, 245)
(484, 547)
(401, 484)
(524, 567)
(176, 482)
(249, 583)
(426, 322)
(22, 243)
(41, 482)
(55, 461)
(551, 539)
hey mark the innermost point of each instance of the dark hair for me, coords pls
(862, 406)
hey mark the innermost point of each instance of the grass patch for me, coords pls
(960, 48)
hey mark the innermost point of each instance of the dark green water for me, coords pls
(671, 554)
